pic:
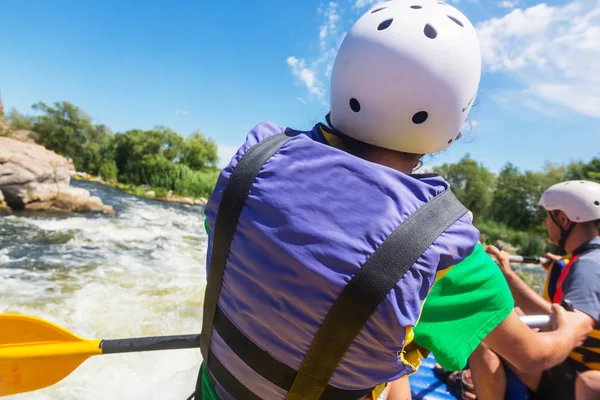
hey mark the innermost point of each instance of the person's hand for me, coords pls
(577, 325)
(500, 257)
(551, 259)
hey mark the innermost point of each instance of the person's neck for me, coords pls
(580, 235)
(391, 159)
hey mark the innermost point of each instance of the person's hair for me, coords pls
(360, 149)
(596, 222)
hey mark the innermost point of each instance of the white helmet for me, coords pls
(579, 200)
(405, 76)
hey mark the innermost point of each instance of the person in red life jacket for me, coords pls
(572, 218)
(323, 245)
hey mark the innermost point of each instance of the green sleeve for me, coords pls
(206, 225)
(462, 308)
(208, 391)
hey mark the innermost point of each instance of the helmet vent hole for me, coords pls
(456, 20)
(420, 117)
(378, 9)
(442, 3)
(354, 105)
(597, 203)
(416, 7)
(467, 106)
(450, 141)
(430, 31)
(385, 24)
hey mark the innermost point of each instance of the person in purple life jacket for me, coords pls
(323, 245)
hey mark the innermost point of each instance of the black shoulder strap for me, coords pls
(368, 288)
(230, 208)
(585, 248)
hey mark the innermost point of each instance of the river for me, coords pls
(141, 273)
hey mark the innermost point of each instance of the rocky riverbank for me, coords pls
(34, 178)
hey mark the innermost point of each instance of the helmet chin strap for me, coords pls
(564, 233)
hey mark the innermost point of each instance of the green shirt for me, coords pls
(462, 308)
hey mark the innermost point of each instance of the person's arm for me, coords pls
(530, 351)
(525, 297)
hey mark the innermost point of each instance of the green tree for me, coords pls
(19, 121)
(140, 154)
(69, 131)
(511, 200)
(108, 171)
(586, 171)
(472, 184)
(200, 153)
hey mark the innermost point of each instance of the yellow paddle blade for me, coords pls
(35, 353)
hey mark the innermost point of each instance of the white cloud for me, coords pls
(225, 154)
(508, 3)
(553, 51)
(182, 113)
(307, 75)
(313, 73)
(364, 3)
(330, 26)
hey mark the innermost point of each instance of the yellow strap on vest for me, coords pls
(378, 391)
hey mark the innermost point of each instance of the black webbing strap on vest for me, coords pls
(359, 299)
(585, 248)
(368, 288)
(230, 208)
(273, 370)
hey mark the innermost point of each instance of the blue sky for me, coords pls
(194, 65)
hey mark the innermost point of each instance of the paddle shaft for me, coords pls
(150, 344)
(537, 321)
(528, 260)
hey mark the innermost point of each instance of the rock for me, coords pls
(71, 199)
(24, 136)
(79, 200)
(150, 194)
(180, 200)
(39, 206)
(201, 201)
(4, 128)
(3, 205)
(34, 178)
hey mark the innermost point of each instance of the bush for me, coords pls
(109, 171)
(533, 245)
(195, 183)
(160, 192)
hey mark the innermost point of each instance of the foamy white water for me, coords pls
(141, 273)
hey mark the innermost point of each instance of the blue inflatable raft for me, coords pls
(425, 386)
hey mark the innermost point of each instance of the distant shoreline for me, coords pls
(140, 191)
